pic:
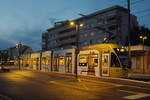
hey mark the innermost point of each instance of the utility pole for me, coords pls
(77, 50)
(41, 59)
(77, 27)
(18, 46)
(143, 38)
(129, 29)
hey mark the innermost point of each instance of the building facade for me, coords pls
(13, 52)
(3, 57)
(140, 59)
(110, 22)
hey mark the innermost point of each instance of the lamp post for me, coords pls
(18, 46)
(2, 58)
(77, 26)
(129, 29)
(143, 38)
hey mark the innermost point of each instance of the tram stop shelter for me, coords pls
(140, 58)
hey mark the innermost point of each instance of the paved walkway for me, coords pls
(132, 76)
(142, 77)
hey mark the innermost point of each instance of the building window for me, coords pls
(111, 18)
(113, 27)
(68, 30)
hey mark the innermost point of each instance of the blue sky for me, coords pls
(25, 20)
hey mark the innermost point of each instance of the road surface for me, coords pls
(34, 85)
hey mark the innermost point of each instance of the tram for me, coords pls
(103, 60)
(45, 61)
(34, 62)
(95, 60)
(63, 61)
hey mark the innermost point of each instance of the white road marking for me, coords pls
(137, 95)
(5, 97)
(137, 87)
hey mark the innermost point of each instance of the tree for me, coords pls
(137, 32)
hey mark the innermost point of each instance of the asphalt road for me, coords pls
(33, 85)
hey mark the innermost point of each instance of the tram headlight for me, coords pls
(122, 50)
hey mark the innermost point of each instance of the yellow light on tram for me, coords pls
(105, 39)
(122, 50)
(141, 37)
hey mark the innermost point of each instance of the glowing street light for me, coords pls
(72, 23)
(143, 37)
(77, 26)
(81, 25)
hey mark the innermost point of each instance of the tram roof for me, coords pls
(104, 45)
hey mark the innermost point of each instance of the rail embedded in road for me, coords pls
(3, 97)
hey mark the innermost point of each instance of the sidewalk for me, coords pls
(133, 77)
(125, 81)
(140, 77)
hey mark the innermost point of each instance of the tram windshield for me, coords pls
(123, 56)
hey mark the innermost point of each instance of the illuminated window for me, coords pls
(61, 61)
(83, 60)
(93, 60)
(43, 60)
(48, 60)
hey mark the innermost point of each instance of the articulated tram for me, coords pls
(96, 60)
(103, 60)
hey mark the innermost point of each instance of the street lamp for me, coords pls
(77, 26)
(143, 38)
(18, 46)
(2, 57)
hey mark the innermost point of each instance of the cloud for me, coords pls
(27, 29)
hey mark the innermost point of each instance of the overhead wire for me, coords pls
(142, 11)
(137, 1)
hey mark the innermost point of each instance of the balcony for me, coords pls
(71, 40)
(68, 34)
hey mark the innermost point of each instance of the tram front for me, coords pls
(124, 60)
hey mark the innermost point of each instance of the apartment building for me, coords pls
(110, 22)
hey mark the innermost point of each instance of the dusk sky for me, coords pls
(25, 20)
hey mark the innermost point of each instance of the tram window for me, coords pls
(95, 60)
(47, 60)
(114, 61)
(55, 61)
(61, 61)
(83, 60)
(43, 60)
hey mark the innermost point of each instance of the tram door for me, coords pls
(105, 64)
(68, 64)
(92, 63)
(37, 63)
(56, 64)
